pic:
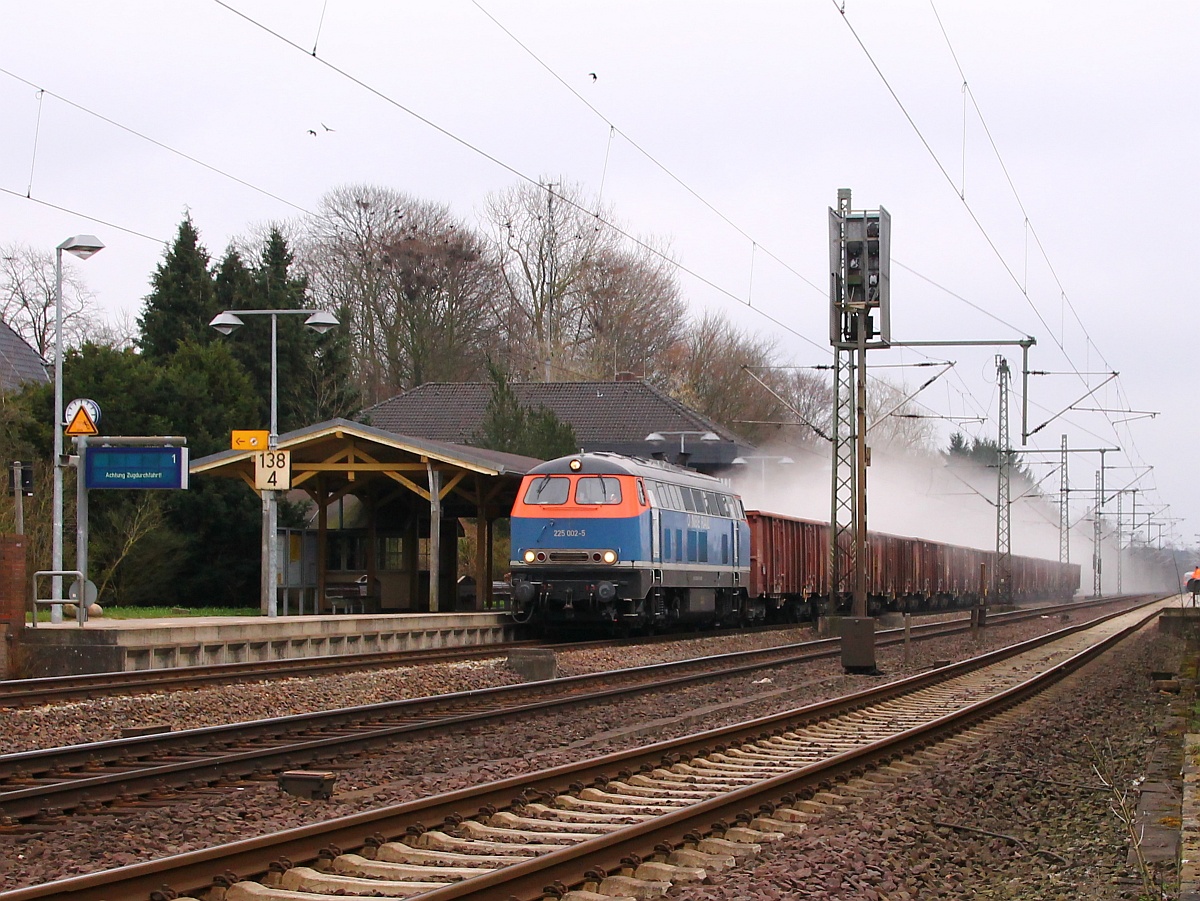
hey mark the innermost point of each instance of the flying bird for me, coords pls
(593, 74)
(327, 128)
(311, 132)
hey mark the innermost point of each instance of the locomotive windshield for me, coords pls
(598, 490)
(548, 490)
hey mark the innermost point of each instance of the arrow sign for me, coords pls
(249, 439)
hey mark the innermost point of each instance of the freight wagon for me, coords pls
(603, 542)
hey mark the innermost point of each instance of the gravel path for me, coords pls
(114, 837)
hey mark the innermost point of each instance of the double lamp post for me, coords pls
(226, 323)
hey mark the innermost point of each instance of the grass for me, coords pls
(160, 612)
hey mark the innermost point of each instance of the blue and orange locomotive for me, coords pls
(602, 539)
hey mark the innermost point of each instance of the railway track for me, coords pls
(32, 692)
(44, 784)
(671, 812)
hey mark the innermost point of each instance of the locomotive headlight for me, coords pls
(609, 557)
(530, 556)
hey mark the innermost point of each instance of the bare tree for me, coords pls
(896, 421)
(27, 298)
(631, 315)
(418, 287)
(546, 244)
(709, 373)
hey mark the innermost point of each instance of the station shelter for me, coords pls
(386, 512)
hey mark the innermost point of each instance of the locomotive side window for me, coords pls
(598, 490)
(723, 504)
(689, 504)
(641, 494)
(548, 490)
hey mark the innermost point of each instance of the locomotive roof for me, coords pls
(600, 463)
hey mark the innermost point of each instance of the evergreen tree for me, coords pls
(182, 301)
(515, 429)
(984, 452)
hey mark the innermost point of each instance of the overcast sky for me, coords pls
(1054, 197)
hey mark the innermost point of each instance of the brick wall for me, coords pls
(13, 589)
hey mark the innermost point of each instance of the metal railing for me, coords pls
(80, 604)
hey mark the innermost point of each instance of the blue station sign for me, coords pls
(136, 467)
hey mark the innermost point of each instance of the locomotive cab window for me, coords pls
(548, 490)
(598, 490)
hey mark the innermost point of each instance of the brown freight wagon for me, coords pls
(789, 569)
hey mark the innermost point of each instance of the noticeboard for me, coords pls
(136, 467)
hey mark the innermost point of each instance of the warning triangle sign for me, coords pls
(81, 424)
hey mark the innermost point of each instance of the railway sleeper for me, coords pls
(356, 865)
(661, 802)
(440, 841)
(508, 820)
(586, 895)
(477, 831)
(306, 879)
(398, 852)
(585, 816)
(570, 802)
(629, 887)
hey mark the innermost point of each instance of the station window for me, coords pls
(390, 553)
(548, 490)
(345, 552)
(597, 490)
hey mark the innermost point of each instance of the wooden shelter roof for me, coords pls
(343, 452)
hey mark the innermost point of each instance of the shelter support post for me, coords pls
(435, 536)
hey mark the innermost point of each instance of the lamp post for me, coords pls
(762, 465)
(226, 323)
(82, 246)
(660, 438)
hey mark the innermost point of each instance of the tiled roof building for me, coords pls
(606, 416)
(19, 363)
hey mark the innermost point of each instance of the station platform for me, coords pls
(122, 645)
(1183, 621)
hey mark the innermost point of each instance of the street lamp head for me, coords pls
(710, 436)
(226, 322)
(82, 246)
(739, 461)
(321, 322)
(786, 461)
(655, 438)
